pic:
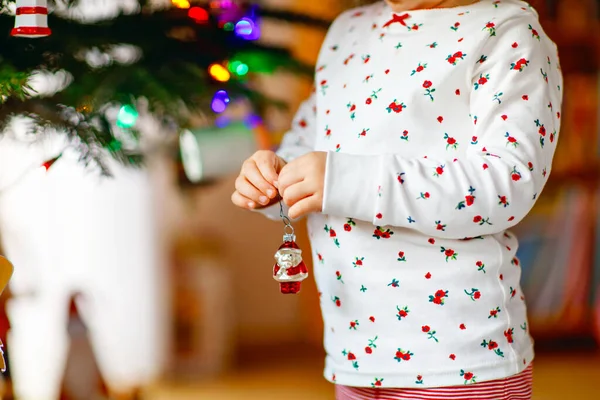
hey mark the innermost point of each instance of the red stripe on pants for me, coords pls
(517, 387)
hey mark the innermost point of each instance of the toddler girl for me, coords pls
(430, 132)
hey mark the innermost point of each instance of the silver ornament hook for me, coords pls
(288, 229)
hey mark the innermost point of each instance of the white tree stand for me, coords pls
(68, 230)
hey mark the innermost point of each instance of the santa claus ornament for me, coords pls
(289, 269)
(31, 19)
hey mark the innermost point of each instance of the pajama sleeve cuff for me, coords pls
(350, 186)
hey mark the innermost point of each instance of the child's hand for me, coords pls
(256, 186)
(301, 184)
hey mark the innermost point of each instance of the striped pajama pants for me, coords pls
(517, 387)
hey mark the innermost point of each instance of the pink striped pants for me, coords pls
(517, 387)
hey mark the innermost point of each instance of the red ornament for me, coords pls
(31, 19)
(289, 269)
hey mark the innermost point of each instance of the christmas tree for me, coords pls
(181, 59)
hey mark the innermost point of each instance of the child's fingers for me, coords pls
(269, 164)
(254, 176)
(242, 201)
(297, 192)
(249, 191)
(304, 207)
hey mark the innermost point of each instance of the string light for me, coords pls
(220, 101)
(181, 3)
(219, 73)
(127, 117)
(198, 14)
(238, 68)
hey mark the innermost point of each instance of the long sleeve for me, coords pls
(515, 104)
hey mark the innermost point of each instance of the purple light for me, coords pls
(220, 101)
(247, 29)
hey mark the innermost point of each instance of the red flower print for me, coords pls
(440, 119)
(519, 65)
(449, 254)
(368, 350)
(462, 327)
(439, 297)
(457, 92)
(419, 380)
(525, 97)
(450, 142)
(378, 382)
(427, 84)
(439, 170)
(452, 357)
(515, 175)
(353, 325)
(369, 100)
(372, 319)
(494, 313)
(379, 233)
(425, 328)
(402, 312)
(337, 301)
(420, 68)
(351, 356)
(454, 58)
(508, 334)
(347, 227)
(402, 355)
(401, 257)
(303, 123)
(483, 79)
(455, 26)
(358, 262)
(474, 294)
(504, 117)
(428, 275)
(515, 45)
(332, 235)
(396, 107)
(477, 218)
(534, 33)
(431, 241)
(492, 346)
(387, 71)
(379, 216)
(480, 266)
(469, 377)
(400, 177)
(485, 166)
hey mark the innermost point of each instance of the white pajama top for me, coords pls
(440, 127)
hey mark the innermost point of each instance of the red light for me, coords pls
(198, 14)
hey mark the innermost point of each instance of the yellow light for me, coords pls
(219, 73)
(181, 3)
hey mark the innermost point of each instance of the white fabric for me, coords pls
(406, 301)
(68, 230)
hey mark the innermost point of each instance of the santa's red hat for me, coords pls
(289, 245)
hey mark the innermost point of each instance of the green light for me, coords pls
(241, 69)
(233, 65)
(127, 117)
(229, 26)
